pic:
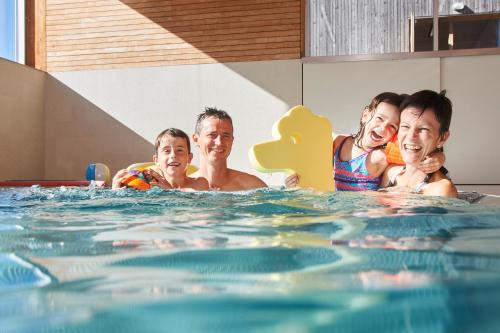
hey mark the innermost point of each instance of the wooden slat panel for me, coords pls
(35, 34)
(209, 46)
(160, 39)
(192, 23)
(132, 33)
(72, 15)
(170, 60)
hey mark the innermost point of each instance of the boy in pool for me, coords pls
(359, 160)
(172, 156)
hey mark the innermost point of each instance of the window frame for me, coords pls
(436, 53)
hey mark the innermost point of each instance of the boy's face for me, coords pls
(172, 156)
(215, 139)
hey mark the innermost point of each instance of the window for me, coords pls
(367, 27)
(12, 30)
(471, 31)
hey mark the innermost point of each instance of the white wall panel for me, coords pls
(148, 100)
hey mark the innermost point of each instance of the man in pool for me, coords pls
(214, 137)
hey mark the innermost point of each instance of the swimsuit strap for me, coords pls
(339, 150)
(418, 188)
(337, 153)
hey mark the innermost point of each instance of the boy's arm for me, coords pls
(117, 179)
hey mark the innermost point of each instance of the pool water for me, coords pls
(95, 260)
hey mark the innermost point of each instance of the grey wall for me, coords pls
(22, 125)
(341, 90)
(78, 133)
(52, 129)
(148, 100)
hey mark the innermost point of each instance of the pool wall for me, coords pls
(22, 128)
(113, 116)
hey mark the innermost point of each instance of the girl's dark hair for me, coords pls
(439, 104)
(386, 97)
(175, 133)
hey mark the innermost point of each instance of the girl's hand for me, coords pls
(292, 180)
(432, 163)
(118, 178)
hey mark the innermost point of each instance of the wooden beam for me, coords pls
(304, 31)
(435, 25)
(36, 55)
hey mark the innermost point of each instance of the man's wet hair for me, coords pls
(211, 113)
(173, 132)
(436, 102)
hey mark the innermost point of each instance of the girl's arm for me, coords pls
(388, 173)
(430, 164)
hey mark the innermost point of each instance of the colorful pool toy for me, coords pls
(139, 177)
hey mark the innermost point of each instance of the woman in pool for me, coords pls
(424, 128)
(359, 160)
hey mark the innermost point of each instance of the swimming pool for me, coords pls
(78, 260)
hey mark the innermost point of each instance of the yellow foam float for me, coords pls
(302, 144)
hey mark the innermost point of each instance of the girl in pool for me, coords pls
(359, 160)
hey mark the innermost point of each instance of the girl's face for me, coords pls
(419, 134)
(381, 125)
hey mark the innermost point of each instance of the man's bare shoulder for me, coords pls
(245, 181)
(198, 183)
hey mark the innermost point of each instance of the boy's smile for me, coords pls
(172, 156)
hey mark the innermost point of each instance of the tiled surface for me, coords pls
(485, 189)
(492, 193)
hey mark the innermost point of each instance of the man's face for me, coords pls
(215, 139)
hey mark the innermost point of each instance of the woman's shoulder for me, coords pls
(439, 185)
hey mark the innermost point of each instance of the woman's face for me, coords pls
(418, 134)
(381, 127)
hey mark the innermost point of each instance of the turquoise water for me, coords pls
(78, 260)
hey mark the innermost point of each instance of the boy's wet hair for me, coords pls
(211, 113)
(385, 97)
(173, 132)
(436, 102)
